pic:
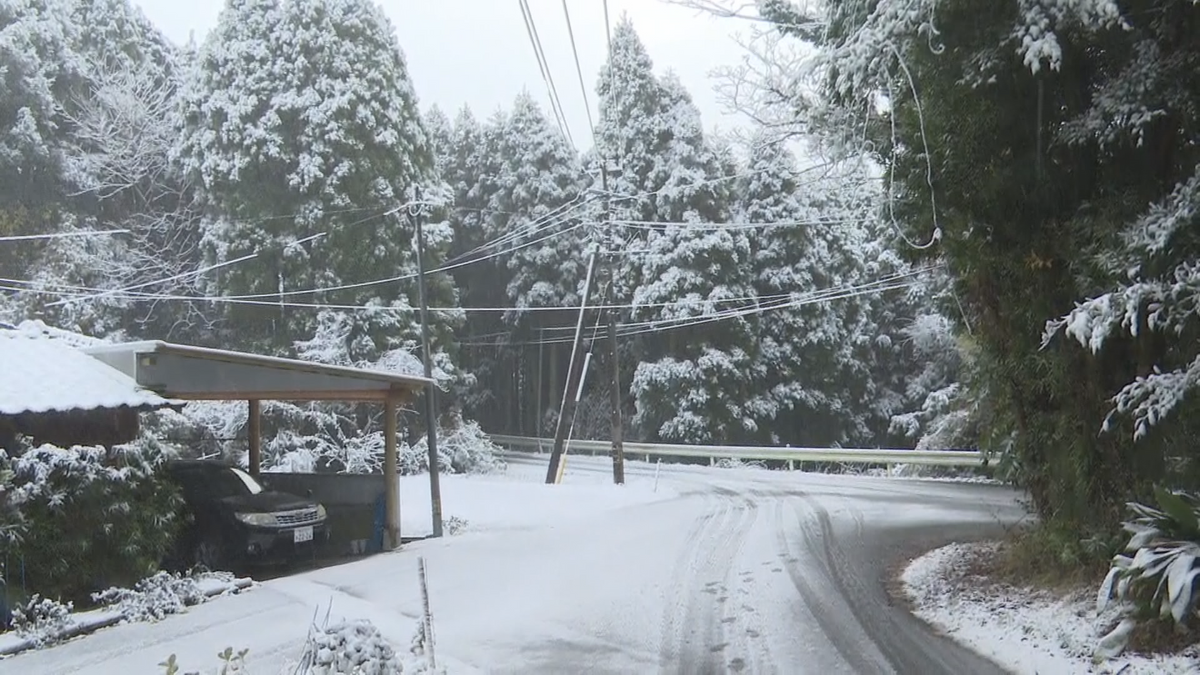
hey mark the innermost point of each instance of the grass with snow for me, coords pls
(1023, 630)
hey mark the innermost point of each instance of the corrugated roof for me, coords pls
(39, 374)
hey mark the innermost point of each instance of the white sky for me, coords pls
(477, 52)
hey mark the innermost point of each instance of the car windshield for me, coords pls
(252, 485)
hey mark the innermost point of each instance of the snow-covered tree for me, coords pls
(691, 382)
(117, 125)
(304, 131)
(1021, 142)
(540, 199)
(809, 231)
(37, 48)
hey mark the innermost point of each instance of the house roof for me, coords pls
(40, 374)
(202, 373)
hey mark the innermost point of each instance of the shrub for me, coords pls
(41, 620)
(159, 595)
(350, 647)
(85, 518)
(1159, 580)
(462, 448)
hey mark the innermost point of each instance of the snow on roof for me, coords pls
(41, 371)
(37, 328)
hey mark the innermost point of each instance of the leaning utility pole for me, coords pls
(618, 449)
(560, 428)
(435, 490)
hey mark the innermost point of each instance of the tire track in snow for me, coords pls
(836, 622)
(694, 640)
(855, 565)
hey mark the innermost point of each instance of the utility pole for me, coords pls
(618, 449)
(537, 418)
(560, 428)
(435, 490)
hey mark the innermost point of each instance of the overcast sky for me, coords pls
(477, 52)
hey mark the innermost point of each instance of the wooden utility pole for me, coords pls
(618, 449)
(537, 417)
(254, 436)
(565, 409)
(431, 421)
(391, 478)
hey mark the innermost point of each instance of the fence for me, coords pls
(962, 458)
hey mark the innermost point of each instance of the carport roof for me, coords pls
(187, 372)
(40, 375)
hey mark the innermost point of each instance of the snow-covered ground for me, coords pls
(718, 570)
(1028, 632)
(517, 498)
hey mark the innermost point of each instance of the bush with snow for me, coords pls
(1160, 580)
(350, 647)
(735, 463)
(42, 621)
(358, 648)
(85, 517)
(160, 595)
(462, 448)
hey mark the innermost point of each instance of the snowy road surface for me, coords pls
(718, 571)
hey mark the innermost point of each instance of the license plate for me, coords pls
(303, 534)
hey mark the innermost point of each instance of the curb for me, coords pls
(93, 620)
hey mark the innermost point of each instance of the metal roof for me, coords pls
(41, 374)
(201, 373)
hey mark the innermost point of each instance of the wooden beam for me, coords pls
(254, 436)
(391, 478)
(363, 396)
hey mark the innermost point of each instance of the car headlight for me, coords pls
(257, 519)
(320, 512)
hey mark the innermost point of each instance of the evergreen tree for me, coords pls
(540, 198)
(304, 131)
(116, 128)
(1029, 137)
(690, 382)
(40, 68)
(806, 257)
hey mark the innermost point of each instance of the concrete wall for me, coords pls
(354, 503)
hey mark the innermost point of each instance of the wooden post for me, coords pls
(618, 449)
(391, 478)
(254, 437)
(538, 409)
(431, 415)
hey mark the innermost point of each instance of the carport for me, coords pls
(189, 373)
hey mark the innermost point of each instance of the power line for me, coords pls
(544, 67)
(371, 308)
(265, 298)
(456, 263)
(749, 300)
(579, 70)
(826, 295)
(61, 235)
(656, 224)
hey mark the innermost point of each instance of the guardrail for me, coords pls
(968, 458)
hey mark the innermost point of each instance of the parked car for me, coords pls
(236, 521)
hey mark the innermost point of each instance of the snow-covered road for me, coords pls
(720, 571)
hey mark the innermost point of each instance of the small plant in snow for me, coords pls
(1160, 579)
(350, 648)
(41, 620)
(419, 661)
(231, 663)
(455, 525)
